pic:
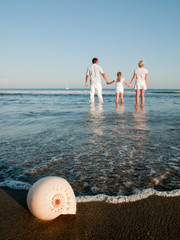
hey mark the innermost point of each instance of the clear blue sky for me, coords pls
(50, 43)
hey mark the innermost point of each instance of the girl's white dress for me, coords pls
(119, 85)
(140, 82)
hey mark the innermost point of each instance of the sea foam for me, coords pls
(124, 199)
(54, 92)
(19, 185)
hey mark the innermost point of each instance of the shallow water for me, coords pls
(99, 149)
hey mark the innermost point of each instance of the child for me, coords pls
(141, 82)
(119, 87)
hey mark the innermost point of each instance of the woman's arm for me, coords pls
(146, 79)
(132, 78)
(126, 83)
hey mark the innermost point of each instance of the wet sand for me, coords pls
(152, 218)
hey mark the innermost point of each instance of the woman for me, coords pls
(141, 81)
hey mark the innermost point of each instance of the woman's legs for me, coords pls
(142, 97)
(137, 96)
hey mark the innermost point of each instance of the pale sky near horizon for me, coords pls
(50, 43)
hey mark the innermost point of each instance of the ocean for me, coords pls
(102, 151)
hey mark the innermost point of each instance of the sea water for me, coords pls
(104, 152)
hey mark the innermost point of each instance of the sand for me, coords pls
(152, 218)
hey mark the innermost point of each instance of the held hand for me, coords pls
(129, 85)
(110, 82)
(86, 84)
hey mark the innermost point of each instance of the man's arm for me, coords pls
(86, 83)
(104, 76)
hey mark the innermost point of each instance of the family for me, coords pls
(95, 71)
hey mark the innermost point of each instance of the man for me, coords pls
(95, 72)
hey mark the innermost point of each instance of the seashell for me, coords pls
(50, 197)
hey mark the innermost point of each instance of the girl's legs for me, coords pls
(117, 98)
(142, 97)
(121, 96)
(137, 96)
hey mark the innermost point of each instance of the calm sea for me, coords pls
(98, 149)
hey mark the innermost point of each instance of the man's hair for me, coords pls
(94, 60)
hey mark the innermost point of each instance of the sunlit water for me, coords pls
(99, 149)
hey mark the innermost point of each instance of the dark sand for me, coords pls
(152, 218)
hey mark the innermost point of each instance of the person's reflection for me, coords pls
(96, 118)
(137, 107)
(140, 137)
(96, 109)
(120, 109)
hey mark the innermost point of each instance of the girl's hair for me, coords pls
(119, 73)
(141, 63)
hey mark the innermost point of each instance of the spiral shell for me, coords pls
(50, 197)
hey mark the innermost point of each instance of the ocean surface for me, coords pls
(99, 149)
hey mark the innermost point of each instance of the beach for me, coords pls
(151, 218)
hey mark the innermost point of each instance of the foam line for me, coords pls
(18, 185)
(124, 199)
(55, 92)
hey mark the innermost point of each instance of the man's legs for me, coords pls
(92, 92)
(99, 93)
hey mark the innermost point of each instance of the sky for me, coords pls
(50, 43)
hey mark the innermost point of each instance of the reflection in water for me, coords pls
(140, 137)
(96, 118)
(96, 109)
(140, 118)
(137, 106)
(130, 141)
(120, 109)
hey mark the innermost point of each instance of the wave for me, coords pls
(43, 92)
(124, 199)
(77, 91)
(55, 92)
(167, 92)
(19, 185)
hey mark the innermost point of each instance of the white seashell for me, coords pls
(50, 197)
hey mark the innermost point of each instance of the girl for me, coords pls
(119, 87)
(141, 81)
